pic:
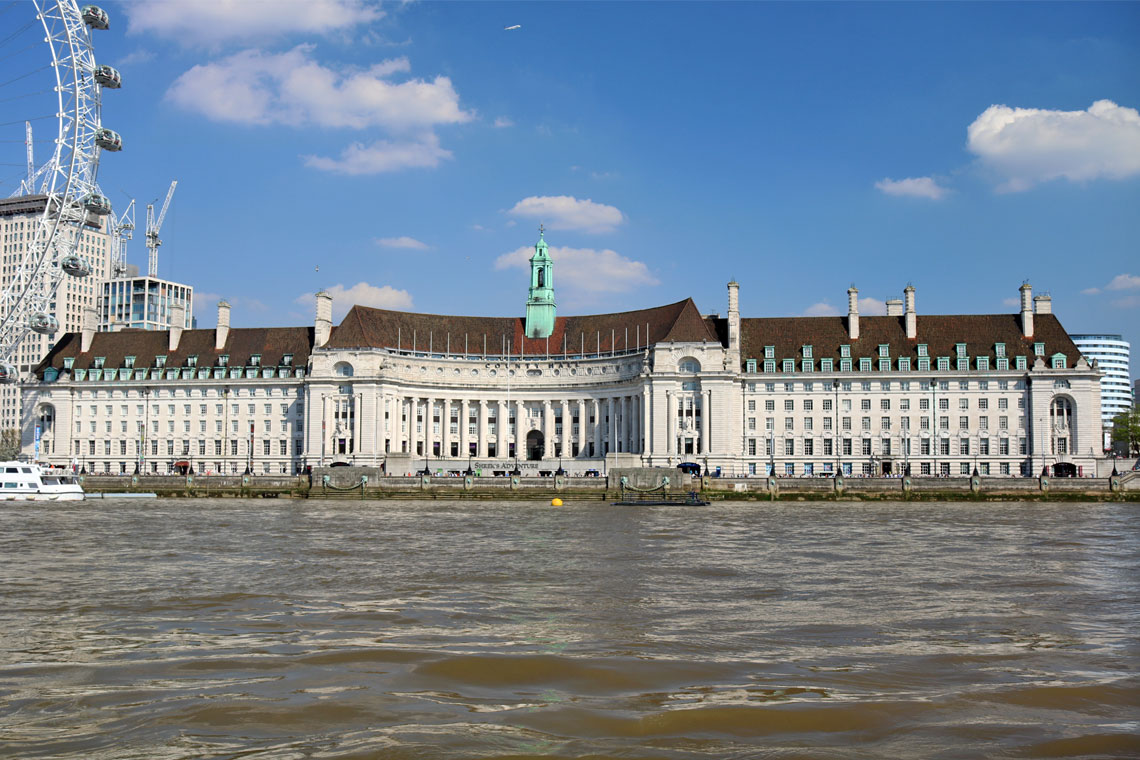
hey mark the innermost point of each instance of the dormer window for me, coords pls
(255, 360)
(807, 352)
(922, 350)
(69, 362)
(287, 360)
(884, 351)
(845, 352)
(1038, 349)
(99, 360)
(160, 361)
(999, 349)
(960, 350)
(129, 362)
(223, 360)
(192, 360)
(750, 365)
(769, 352)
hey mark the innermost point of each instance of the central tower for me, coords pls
(540, 298)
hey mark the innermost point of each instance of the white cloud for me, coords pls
(362, 294)
(821, 309)
(383, 156)
(1085, 292)
(586, 270)
(402, 242)
(254, 87)
(503, 121)
(214, 21)
(565, 212)
(915, 187)
(872, 307)
(135, 57)
(1025, 146)
(1127, 302)
(1011, 301)
(1123, 282)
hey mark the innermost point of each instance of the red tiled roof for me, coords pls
(271, 343)
(379, 328)
(941, 333)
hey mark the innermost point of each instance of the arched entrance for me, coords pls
(534, 445)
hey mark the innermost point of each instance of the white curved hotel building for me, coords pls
(1112, 354)
(930, 394)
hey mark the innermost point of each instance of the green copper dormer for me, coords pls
(540, 298)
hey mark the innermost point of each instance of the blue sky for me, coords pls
(410, 151)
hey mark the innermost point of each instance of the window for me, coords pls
(750, 365)
(845, 352)
(789, 447)
(769, 352)
(808, 405)
(806, 352)
(964, 447)
(789, 405)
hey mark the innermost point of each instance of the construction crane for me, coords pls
(122, 230)
(152, 228)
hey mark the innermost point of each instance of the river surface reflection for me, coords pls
(308, 629)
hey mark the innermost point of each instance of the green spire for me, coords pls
(540, 307)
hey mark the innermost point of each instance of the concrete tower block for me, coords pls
(853, 313)
(87, 334)
(324, 318)
(177, 320)
(223, 332)
(910, 314)
(1026, 310)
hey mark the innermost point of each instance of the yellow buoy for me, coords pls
(556, 502)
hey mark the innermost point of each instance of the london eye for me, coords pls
(59, 195)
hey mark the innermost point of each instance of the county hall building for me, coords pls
(1006, 394)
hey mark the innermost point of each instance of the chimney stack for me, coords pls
(324, 319)
(177, 324)
(1043, 304)
(222, 333)
(911, 316)
(87, 333)
(853, 313)
(1026, 310)
(734, 322)
(894, 307)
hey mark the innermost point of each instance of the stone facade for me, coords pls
(938, 395)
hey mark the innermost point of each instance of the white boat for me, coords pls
(24, 481)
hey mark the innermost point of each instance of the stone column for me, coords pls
(646, 422)
(481, 427)
(547, 429)
(597, 427)
(580, 432)
(670, 439)
(357, 422)
(324, 430)
(635, 424)
(464, 442)
(429, 404)
(445, 429)
(706, 424)
(503, 422)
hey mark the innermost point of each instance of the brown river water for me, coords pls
(308, 629)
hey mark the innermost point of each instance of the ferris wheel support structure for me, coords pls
(65, 185)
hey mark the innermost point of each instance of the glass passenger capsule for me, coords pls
(95, 17)
(76, 266)
(7, 373)
(108, 77)
(97, 204)
(108, 139)
(43, 323)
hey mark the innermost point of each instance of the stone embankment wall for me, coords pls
(368, 483)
